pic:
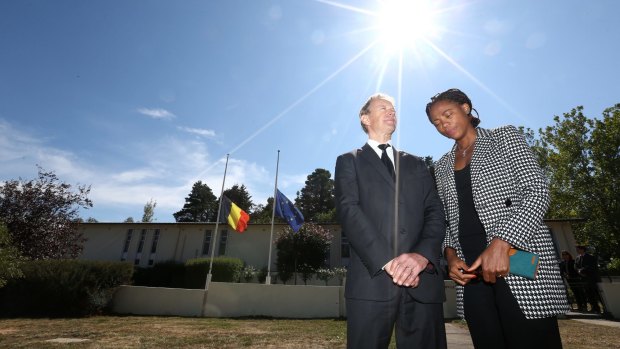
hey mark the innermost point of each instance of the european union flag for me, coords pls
(287, 211)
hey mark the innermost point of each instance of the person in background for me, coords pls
(495, 196)
(587, 267)
(573, 280)
(388, 206)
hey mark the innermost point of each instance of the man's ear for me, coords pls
(365, 120)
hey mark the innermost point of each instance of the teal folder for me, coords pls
(523, 263)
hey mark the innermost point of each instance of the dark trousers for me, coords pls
(591, 291)
(578, 289)
(418, 325)
(495, 320)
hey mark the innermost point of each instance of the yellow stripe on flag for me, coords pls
(238, 219)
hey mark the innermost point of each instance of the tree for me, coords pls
(91, 220)
(149, 211)
(10, 258)
(262, 213)
(581, 158)
(304, 251)
(240, 196)
(317, 196)
(326, 217)
(200, 205)
(41, 216)
(128, 220)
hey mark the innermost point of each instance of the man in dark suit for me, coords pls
(388, 206)
(587, 268)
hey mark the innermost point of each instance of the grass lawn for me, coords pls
(176, 332)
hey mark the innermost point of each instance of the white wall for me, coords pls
(237, 300)
(610, 294)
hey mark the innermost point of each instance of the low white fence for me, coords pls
(244, 299)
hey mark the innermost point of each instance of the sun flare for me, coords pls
(403, 23)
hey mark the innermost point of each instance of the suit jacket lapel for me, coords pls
(484, 144)
(371, 156)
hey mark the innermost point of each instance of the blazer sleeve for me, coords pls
(440, 178)
(527, 215)
(372, 248)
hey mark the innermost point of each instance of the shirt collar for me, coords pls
(375, 146)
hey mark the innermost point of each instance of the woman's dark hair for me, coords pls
(457, 96)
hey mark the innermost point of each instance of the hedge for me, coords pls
(58, 288)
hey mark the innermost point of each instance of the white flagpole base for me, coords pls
(208, 281)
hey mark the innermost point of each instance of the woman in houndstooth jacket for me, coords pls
(495, 196)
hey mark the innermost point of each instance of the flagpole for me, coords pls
(217, 223)
(273, 214)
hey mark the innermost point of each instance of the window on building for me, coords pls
(154, 247)
(126, 245)
(206, 243)
(223, 240)
(140, 247)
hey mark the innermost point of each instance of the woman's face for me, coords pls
(451, 119)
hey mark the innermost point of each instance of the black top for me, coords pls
(471, 231)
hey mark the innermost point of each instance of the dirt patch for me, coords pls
(67, 340)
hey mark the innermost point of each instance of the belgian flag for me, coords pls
(233, 215)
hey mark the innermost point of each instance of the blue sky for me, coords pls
(140, 99)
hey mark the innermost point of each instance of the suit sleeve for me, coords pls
(372, 248)
(434, 229)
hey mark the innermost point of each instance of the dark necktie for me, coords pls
(386, 159)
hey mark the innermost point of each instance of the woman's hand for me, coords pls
(494, 261)
(457, 268)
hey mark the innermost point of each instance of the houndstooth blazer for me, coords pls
(511, 197)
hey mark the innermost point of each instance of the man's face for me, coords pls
(381, 118)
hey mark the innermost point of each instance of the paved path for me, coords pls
(458, 337)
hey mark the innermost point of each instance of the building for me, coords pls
(146, 244)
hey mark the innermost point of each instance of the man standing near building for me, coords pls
(587, 268)
(390, 211)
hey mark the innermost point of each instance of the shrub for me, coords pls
(613, 267)
(262, 275)
(64, 288)
(225, 269)
(340, 273)
(325, 274)
(248, 272)
(165, 274)
(303, 251)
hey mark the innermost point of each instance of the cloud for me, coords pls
(157, 113)
(135, 175)
(165, 171)
(20, 152)
(198, 131)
